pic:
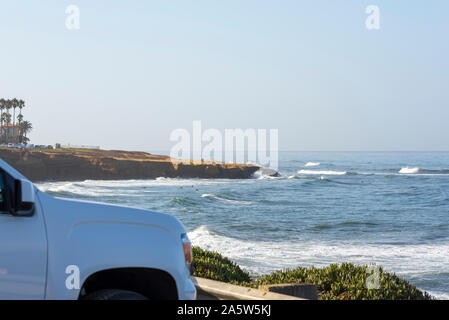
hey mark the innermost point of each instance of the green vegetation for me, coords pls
(17, 130)
(335, 282)
(212, 265)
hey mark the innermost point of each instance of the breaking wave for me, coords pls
(264, 173)
(408, 170)
(217, 198)
(322, 172)
(312, 164)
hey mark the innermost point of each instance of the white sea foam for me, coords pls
(408, 170)
(267, 256)
(258, 175)
(322, 172)
(312, 164)
(80, 189)
(214, 197)
(124, 184)
(303, 177)
(270, 178)
(264, 173)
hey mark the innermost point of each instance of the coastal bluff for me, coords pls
(85, 164)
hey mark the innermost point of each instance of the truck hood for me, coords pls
(76, 212)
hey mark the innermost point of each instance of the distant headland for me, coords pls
(94, 164)
(66, 163)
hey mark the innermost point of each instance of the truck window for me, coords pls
(7, 200)
(2, 194)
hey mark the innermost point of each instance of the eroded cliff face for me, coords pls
(79, 165)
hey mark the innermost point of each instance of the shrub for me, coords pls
(335, 282)
(212, 265)
(347, 282)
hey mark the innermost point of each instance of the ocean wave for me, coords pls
(264, 173)
(387, 172)
(420, 171)
(182, 202)
(214, 197)
(270, 178)
(309, 179)
(79, 189)
(200, 231)
(127, 184)
(342, 225)
(321, 172)
(407, 170)
(312, 164)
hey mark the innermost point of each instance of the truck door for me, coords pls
(23, 249)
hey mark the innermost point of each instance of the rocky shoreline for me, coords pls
(84, 164)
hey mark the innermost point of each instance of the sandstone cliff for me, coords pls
(81, 164)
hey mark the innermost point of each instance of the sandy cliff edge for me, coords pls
(83, 164)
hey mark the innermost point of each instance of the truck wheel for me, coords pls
(113, 294)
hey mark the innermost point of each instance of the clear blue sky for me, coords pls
(136, 70)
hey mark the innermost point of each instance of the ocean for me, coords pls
(384, 208)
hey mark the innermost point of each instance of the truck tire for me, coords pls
(113, 294)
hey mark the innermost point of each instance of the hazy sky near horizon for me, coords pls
(136, 70)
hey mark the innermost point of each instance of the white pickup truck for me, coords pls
(59, 249)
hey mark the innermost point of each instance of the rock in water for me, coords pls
(267, 172)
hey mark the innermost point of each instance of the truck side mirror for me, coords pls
(25, 198)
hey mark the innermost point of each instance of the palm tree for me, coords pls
(3, 120)
(25, 127)
(9, 105)
(7, 120)
(21, 105)
(15, 105)
(19, 124)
